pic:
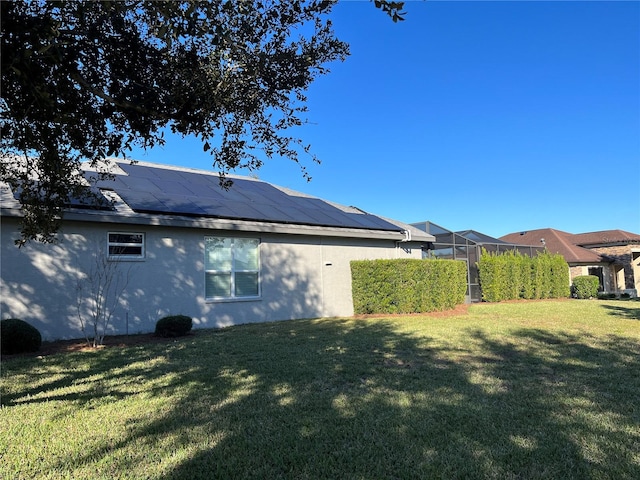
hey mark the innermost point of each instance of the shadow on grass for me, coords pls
(92, 369)
(345, 399)
(630, 311)
(581, 392)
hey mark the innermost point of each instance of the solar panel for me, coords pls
(142, 201)
(93, 199)
(169, 191)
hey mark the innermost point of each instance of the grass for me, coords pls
(531, 390)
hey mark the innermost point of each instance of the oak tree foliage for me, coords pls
(82, 81)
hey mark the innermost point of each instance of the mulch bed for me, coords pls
(458, 310)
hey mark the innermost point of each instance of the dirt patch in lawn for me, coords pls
(458, 310)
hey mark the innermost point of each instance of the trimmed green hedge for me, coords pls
(407, 286)
(512, 275)
(586, 286)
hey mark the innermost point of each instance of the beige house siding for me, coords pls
(302, 276)
(576, 271)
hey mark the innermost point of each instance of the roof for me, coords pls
(474, 236)
(556, 241)
(606, 237)
(479, 238)
(145, 190)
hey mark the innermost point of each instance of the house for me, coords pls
(177, 243)
(611, 255)
(467, 246)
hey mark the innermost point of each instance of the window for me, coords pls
(232, 267)
(125, 245)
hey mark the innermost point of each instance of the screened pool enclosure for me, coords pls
(467, 246)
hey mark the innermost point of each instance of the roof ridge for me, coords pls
(567, 240)
(180, 168)
(563, 236)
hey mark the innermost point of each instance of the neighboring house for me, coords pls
(467, 245)
(611, 255)
(254, 253)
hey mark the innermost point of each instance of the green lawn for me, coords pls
(546, 389)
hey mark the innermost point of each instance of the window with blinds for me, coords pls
(232, 268)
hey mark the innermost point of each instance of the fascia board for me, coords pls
(235, 225)
(11, 209)
(232, 225)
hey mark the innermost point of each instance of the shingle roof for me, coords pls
(605, 237)
(556, 241)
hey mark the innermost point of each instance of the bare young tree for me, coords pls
(99, 292)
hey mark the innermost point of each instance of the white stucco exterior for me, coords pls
(304, 272)
(304, 253)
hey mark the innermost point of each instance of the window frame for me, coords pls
(126, 256)
(233, 270)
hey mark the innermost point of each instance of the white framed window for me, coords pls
(125, 245)
(232, 268)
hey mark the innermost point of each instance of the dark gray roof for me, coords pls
(480, 238)
(173, 191)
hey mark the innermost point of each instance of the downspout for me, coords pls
(407, 238)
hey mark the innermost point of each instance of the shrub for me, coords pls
(585, 286)
(19, 337)
(173, 326)
(560, 276)
(625, 295)
(407, 285)
(512, 275)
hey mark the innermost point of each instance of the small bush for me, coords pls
(585, 286)
(625, 295)
(173, 326)
(19, 337)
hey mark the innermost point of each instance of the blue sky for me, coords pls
(493, 116)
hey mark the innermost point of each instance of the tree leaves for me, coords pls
(391, 8)
(82, 80)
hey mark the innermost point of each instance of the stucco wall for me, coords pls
(301, 277)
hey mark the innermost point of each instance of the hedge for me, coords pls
(586, 286)
(407, 285)
(512, 275)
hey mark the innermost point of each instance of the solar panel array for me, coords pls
(92, 199)
(157, 190)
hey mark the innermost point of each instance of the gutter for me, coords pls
(221, 224)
